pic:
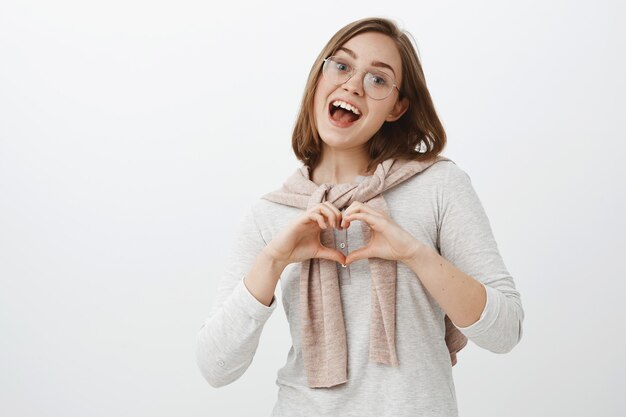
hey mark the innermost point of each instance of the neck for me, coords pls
(340, 166)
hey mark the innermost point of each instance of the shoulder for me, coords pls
(445, 177)
(426, 189)
(457, 193)
(447, 172)
(437, 177)
(432, 189)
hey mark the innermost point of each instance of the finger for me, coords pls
(362, 253)
(352, 207)
(358, 207)
(319, 219)
(372, 220)
(327, 213)
(331, 254)
(336, 211)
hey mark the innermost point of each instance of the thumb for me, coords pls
(361, 253)
(331, 254)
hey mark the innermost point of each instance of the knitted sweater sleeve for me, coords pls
(229, 337)
(466, 240)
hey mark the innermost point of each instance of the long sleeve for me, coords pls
(466, 240)
(228, 339)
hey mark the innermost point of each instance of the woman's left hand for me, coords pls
(388, 240)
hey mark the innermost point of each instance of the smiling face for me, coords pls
(370, 50)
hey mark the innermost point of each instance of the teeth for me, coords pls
(344, 105)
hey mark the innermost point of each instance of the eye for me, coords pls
(342, 67)
(377, 79)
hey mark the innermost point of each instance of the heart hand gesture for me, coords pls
(388, 239)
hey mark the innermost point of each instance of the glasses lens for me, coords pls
(377, 85)
(337, 70)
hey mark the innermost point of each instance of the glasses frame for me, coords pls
(355, 71)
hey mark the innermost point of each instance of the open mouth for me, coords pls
(342, 117)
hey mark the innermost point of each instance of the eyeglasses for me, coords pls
(376, 84)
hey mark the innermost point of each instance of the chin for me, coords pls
(339, 141)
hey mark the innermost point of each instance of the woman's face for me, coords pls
(362, 51)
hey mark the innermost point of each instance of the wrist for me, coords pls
(417, 253)
(276, 264)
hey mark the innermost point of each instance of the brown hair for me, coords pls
(402, 139)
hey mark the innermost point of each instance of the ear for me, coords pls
(398, 110)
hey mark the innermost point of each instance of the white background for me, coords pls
(134, 134)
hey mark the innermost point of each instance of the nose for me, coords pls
(354, 84)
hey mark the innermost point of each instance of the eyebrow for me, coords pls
(374, 63)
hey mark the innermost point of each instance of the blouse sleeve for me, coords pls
(466, 240)
(229, 337)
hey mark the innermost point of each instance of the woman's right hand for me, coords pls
(300, 240)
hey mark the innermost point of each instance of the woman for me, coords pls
(377, 312)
